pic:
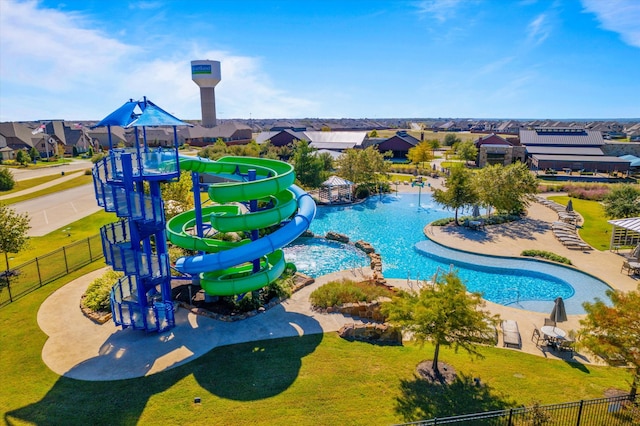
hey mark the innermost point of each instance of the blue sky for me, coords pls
(80, 60)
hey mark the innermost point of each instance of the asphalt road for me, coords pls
(54, 211)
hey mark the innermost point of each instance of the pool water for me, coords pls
(394, 224)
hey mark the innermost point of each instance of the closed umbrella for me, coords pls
(569, 206)
(635, 254)
(476, 211)
(558, 313)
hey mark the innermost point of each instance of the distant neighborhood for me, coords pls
(600, 146)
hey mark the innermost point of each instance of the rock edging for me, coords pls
(300, 281)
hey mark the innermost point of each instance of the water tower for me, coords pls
(206, 74)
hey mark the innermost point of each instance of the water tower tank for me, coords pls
(206, 74)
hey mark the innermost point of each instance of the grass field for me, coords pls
(428, 134)
(314, 379)
(30, 183)
(595, 229)
(73, 183)
(75, 231)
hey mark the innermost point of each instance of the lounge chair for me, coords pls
(511, 334)
(549, 321)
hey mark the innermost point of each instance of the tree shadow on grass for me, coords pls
(422, 400)
(242, 372)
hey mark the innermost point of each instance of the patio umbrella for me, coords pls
(476, 211)
(635, 254)
(569, 206)
(558, 313)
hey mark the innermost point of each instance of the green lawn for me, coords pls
(76, 231)
(595, 230)
(315, 379)
(73, 183)
(30, 183)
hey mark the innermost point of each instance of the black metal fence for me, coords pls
(18, 281)
(614, 411)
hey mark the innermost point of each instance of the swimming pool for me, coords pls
(394, 224)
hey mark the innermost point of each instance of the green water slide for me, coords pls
(227, 268)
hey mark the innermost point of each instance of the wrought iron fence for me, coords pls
(18, 281)
(614, 411)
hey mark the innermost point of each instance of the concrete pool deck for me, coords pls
(80, 349)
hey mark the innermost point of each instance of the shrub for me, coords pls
(546, 255)
(96, 297)
(6, 180)
(336, 293)
(442, 222)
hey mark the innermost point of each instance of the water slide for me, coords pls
(224, 269)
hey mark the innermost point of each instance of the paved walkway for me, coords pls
(80, 349)
(45, 185)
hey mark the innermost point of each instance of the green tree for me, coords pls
(215, 151)
(34, 154)
(451, 139)
(420, 153)
(22, 157)
(364, 166)
(614, 331)
(307, 165)
(466, 151)
(460, 191)
(508, 189)
(443, 314)
(90, 152)
(178, 195)
(373, 133)
(13, 231)
(623, 201)
(6, 179)
(434, 144)
(327, 162)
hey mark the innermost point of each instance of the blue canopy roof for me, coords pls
(149, 114)
(153, 115)
(635, 161)
(122, 117)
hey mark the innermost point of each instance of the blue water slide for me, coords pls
(256, 249)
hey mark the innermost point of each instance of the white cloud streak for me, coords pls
(539, 29)
(441, 10)
(619, 16)
(54, 64)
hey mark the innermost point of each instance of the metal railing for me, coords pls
(613, 411)
(18, 281)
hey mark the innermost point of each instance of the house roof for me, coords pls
(563, 150)
(353, 138)
(561, 136)
(336, 181)
(581, 158)
(632, 223)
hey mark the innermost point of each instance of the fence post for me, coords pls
(64, 254)
(89, 244)
(580, 412)
(510, 416)
(38, 269)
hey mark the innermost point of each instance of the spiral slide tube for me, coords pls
(224, 268)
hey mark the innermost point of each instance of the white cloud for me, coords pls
(539, 29)
(620, 16)
(441, 10)
(56, 64)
